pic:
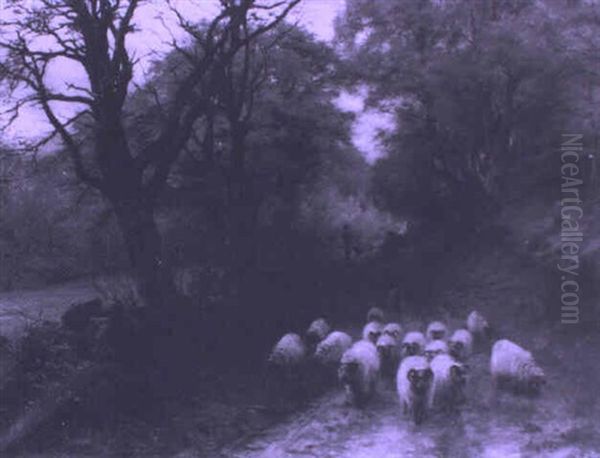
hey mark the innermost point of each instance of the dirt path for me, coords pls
(508, 426)
(563, 422)
(229, 420)
(19, 308)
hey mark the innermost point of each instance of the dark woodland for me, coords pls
(172, 215)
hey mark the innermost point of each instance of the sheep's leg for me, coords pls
(372, 386)
(418, 414)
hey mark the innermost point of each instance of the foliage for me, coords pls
(480, 92)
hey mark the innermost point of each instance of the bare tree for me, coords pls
(93, 33)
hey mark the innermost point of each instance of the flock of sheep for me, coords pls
(429, 370)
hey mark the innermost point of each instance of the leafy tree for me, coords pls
(93, 34)
(480, 92)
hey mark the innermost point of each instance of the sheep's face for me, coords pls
(410, 349)
(536, 382)
(437, 334)
(458, 375)
(393, 333)
(488, 331)
(419, 379)
(456, 348)
(430, 354)
(373, 336)
(385, 353)
(375, 314)
(348, 373)
(312, 338)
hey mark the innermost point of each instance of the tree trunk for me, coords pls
(241, 205)
(144, 246)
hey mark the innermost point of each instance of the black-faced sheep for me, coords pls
(285, 366)
(316, 332)
(449, 380)
(434, 348)
(330, 350)
(388, 349)
(413, 344)
(436, 331)
(289, 352)
(327, 358)
(375, 314)
(477, 325)
(515, 368)
(461, 344)
(393, 330)
(372, 331)
(358, 371)
(413, 382)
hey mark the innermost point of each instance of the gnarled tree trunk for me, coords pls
(144, 245)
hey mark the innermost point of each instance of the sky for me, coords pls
(158, 26)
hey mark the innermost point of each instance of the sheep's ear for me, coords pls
(412, 375)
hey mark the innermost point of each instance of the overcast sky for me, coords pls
(316, 15)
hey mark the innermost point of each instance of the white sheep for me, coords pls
(389, 355)
(285, 366)
(359, 370)
(477, 325)
(461, 344)
(434, 348)
(393, 330)
(375, 314)
(372, 331)
(330, 350)
(317, 331)
(413, 382)
(413, 344)
(436, 331)
(449, 380)
(515, 367)
(288, 352)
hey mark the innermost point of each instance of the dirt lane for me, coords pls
(488, 427)
(18, 308)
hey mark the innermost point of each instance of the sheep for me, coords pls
(288, 352)
(449, 380)
(413, 344)
(434, 348)
(436, 331)
(413, 382)
(372, 331)
(478, 325)
(461, 344)
(389, 355)
(316, 332)
(326, 359)
(286, 367)
(393, 330)
(375, 314)
(358, 371)
(330, 350)
(515, 368)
